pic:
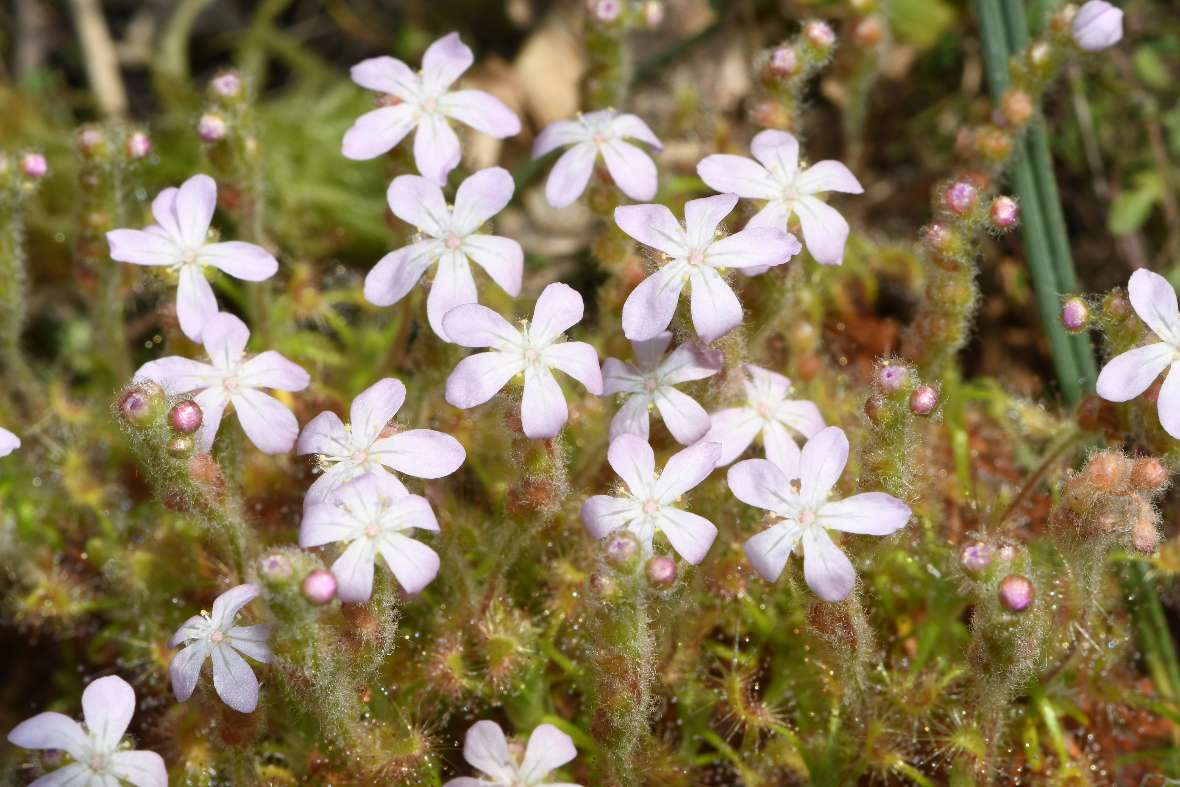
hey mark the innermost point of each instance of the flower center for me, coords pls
(651, 384)
(230, 383)
(360, 456)
(697, 257)
(790, 193)
(600, 139)
(763, 410)
(531, 355)
(807, 518)
(372, 530)
(453, 242)
(650, 507)
(188, 256)
(98, 763)
(217, 637)
(430, 105)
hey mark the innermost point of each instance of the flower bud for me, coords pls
(319, 587)
(960, 198)
(185, 417)
(138, 145)
(34, 165)
(819, 34)
(867, 32)
(211, 127)
(874, 409)
(227, 84)
(976, 556)
(1004, 212)
(784, 62)
(90, 141)
(1039, 54)
(892, 377)
(1016, 107)
(1148, 474)
(606, 11)
(1107, 471)
(137, 404)
(1075, 314)
(181, 445)
(1144, 535)
(938, 238)
(1016, 593)
(1097, 25)
(275, 566)
(653, 13)
(661, 571)
(621, 548)
(923, 400)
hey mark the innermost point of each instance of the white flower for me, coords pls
(107, 706)
(648, 505)
(366, 445)
(650, 382)
(776, 178)
(796, 489)
(8, 442)
(231, 378)
(372, 514)
(1097, 26)
(215, 636)
(534, 351)
(486, 748)
(770, 412)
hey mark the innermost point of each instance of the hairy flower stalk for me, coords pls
(891, 448)
(15, 188)
(785, 72)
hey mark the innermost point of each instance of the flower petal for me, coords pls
(570, 174)
(396, 273)
(655, 226)
(828, 175)
(650, 352)
(8, 442)
(1154, 301)
(801, 415)
(689, 534)
(628, 125)
(1168, 404)
(1129, 374)
(579, 360)
(619, 377)
(737, 175)
(227, 606)
(477, 378)
(141, 768)
(482, 111)
(233, 679)
(735, 428)
(195, 302)
(453, 286)
(414, 511)
(481, 196)
(558, 309)
(51, 730)
(108, 705)
(648, 310)
(195, 202)
(325, 523)
(354, 572)
(824, 230)
(603, 514)
(633, 461)
(762, 484)
(685, 470)
(715, 309)
(548, 749)
(177, 375)
(225, 339)
(245, 261)
(436, 148)
(73, 775)
(632, 418)
(142, 248)
(413, 563)
(378, 132)
(869, 513)
(501, 258)
(826, 568)
(419, 201)
(164, 212)
(781, 449)
(558, 135)
(778, 151)
(265, 420)
(324, 434)
(542, 408)
(753, 247)
(212, 402)
(486, 748)
(271, 370)
(473, 325)
(690, 361)
(185, 669)
(821, 464)
(375, 407)
(632, 170)
(703, 216)
(386, 75)
(445, 61)
(683, 415)
(422, 453)
(769, 550)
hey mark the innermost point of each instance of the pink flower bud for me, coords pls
(606, 10)
(892, 377)
(1075, 314)
(661, 571)
(653, 13)
(90, 141)
(275, 566)
(211, 127)
(819, 34)
(1016, 593)
(227, 84)
(181, 445)
(960, 197)
(138, 145)
(937, 237)
(34, 165)
(784, 62)
(975, 556)
(1098, 25)
(621, 548)
(923, 400)
(138, 401)
(186, 417)
(1004, 212)
(319, 587)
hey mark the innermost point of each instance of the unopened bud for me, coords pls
(1148, 474)
(621, 548)
(137, 404)
(938, 238)
(1107, 471)
(1016, 593)
(90, 141)
(923, 400)
(867, 32)
(1097, 25)
(34, 165)
(319, 587)
(784, 62)
(960, 197)
(227, 84)
(1038, 55)
(185, 417)
(181, 445)
(819, 34)
(606, 10)
(1075, 314)
(1016, 107)
(976, 556)
(892, 377)
(211, 127)
(653, 13)
(1004, 213)
(1144, 535)
(661, 571)
(138, 145)
(275, 566)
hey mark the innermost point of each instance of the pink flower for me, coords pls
(372, 515)
(214, 636)
(775, 177)
(696, 256)
(8, 442)
(534, 351)
(769, 413)
(648, 505)
(486, 749)
(232, 378)
(367, 445)
(424, 101)
(1129, 374)
(1097, 26)
(177, 241)
(796, 489)
(590, 135)
(451, 241)
(650, 382)
(107, 706)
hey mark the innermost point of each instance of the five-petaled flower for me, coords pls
(649, 503)
(231, 378)
(368, 445)
(651, 380)
(215, 636)
(424, 101)
(696, 256)
(178, 241)
(776, 178)
(589, 136)
(1129, 374)
(533, 351)
(486, 749)
(107, 706)
(372, 514)
(795, 488)
(452, 241)
(8, 442)
(769, 412)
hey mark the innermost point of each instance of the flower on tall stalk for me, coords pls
(486, 749)
(231, 377)
(1131, 373)
(178, 241)
(451, 240)
(215, 636)
(534, 350)
(589, 136)
(649, 503)
(696, 256)
(424, 102)
(368, 444)
(98, 761)
(796, 489)
(373, 515)
(776, 178)
(8, 442)
(769, 413)
(650, 382)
